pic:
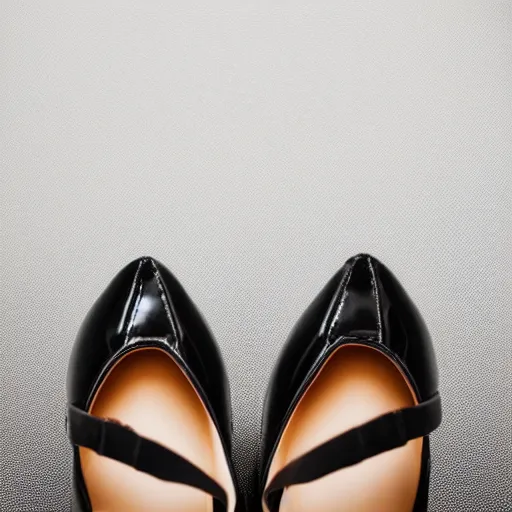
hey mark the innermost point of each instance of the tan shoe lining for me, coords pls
(356, 384)
(149, 392)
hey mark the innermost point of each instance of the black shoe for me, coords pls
(357, 378)
(148, 397)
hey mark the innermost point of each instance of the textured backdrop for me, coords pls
(253, 147)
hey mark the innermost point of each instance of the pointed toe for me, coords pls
(355, 310)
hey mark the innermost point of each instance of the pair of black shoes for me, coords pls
(348, 412)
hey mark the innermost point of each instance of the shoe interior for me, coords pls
(147, 391)
(356, 384)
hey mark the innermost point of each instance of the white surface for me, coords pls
(253, 148)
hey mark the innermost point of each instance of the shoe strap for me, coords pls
(115, 441)
(377, 436)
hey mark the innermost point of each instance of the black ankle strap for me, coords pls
(377, 436)
(115, 441)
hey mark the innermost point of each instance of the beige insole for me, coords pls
(148, 391)
(355, 385)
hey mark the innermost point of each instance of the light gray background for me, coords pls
(253, 147)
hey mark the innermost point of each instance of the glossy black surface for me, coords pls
(146, 306)
(362, 303)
